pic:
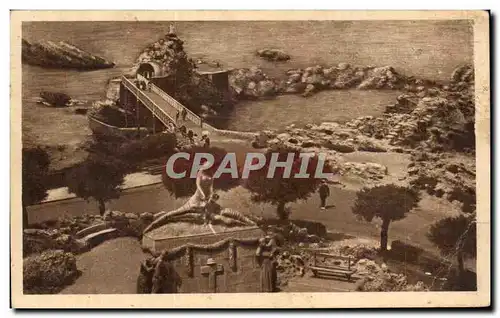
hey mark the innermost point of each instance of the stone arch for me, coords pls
(150, 69)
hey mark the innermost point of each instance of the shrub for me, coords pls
(48, 272)
(455, 236)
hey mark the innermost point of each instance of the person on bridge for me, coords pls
(182, 129)
(184, 114)
(324, 192)
(177, 116)
(191, 136)
(207, 142)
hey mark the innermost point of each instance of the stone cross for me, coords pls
(212, 270)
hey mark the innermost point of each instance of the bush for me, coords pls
(49, 272)
(405, 251)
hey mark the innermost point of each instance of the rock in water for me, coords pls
(273, 55)
(61, 55)
(55, 99)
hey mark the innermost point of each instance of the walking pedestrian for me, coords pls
(324, 192)
(177, 116)
(184, 114)
(191, 136)
(207, 142)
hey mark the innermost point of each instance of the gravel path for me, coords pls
(109, 268)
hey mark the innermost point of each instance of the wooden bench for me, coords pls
(331, 270)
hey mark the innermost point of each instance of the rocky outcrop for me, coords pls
(48, 272)
(432, 124)
(342, 76)
(55, 99)
(437, 118)
(168, 52)
(179, 72)
(275, 55)
(334, 140)
(61, 55)
(252, 83)
(451, 176)
(377, 277)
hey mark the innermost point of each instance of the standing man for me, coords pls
(177, 117)
(207, 142)
(324, 192)
(184, 114)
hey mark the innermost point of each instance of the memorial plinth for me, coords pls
(208, 262)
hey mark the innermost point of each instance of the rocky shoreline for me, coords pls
(434, 125)
(253, 83)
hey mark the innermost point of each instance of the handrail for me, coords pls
(175, 104)
(148, 102)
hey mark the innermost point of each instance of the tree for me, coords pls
(280, 189)
(455, 236)
(35, 167)
(97, 178)
(386, 202)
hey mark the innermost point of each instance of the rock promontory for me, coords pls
(61, 55)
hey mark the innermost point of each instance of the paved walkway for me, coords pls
(109, 268)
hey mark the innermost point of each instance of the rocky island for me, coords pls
(61, 55)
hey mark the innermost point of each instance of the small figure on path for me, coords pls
(205, 139)
(191, 136)
(207, 142)
(182, 129)
(184, 114)
(324, 192)
(177, 116)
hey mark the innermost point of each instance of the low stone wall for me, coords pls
(101, 128)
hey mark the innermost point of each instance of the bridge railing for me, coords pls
(155, 109)
(175, 104)
(192, 116)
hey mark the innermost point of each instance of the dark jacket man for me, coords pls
(324, 192)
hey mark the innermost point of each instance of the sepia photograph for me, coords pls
(292, 159)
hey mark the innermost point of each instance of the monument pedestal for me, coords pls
(223, 262)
